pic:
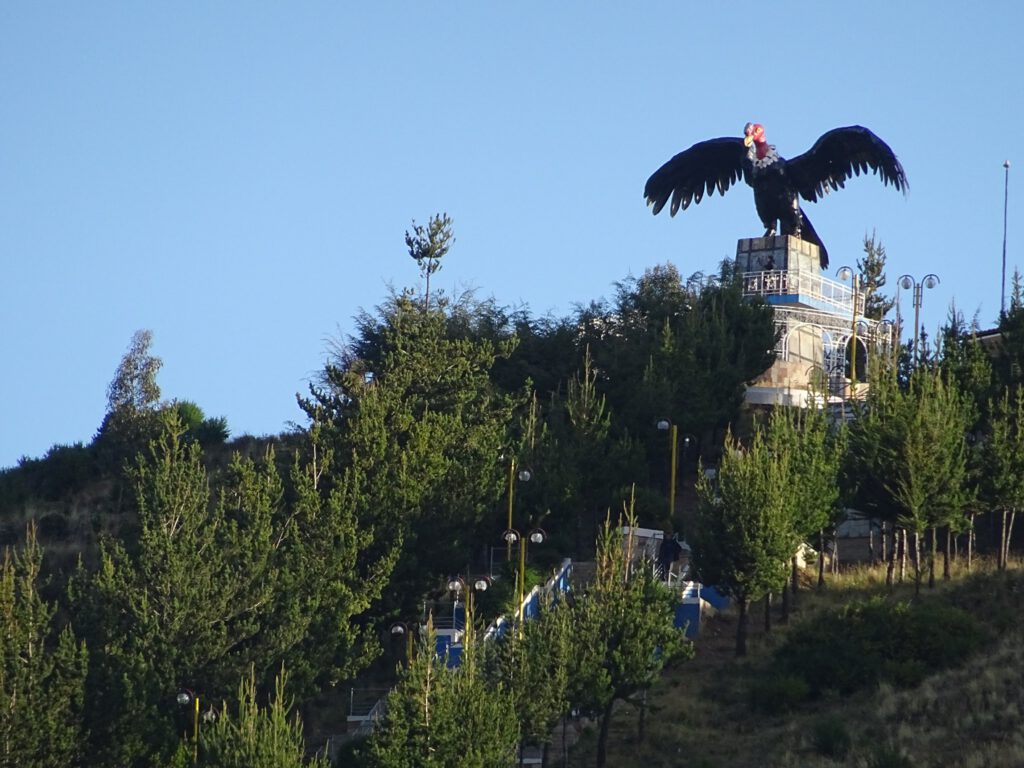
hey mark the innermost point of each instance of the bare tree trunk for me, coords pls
(931, 558)
(947, 557)
(789, 592)
(641, 723)
(1001, 560)
(602, 736)
(821, 558)
(903, 554)
(741, 628)
(871, 544)
(890, 556)
(885, 536)
(835, 555)
(1009, 537)
(768, 613)
(970, 544)
(917, 563)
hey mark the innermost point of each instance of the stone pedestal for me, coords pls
(783, 252)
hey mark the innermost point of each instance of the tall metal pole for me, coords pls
(917, 320)
(511, 491)
(672, 473)
(1006, 197)
(853, 335)
(195, 731)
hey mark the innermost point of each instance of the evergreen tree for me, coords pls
(428, 245)
(439, 716)
(744, 535)
(813, 452)
(1009, 365)
(683, 353)
(418, 420)
(872, 279)
(929, 478)
(871, 452)
(42, 671)
(212, 584)
(623, 632)
(534, 665)
(1003, 459)
(256, 737)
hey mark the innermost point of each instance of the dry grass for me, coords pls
(699, 713)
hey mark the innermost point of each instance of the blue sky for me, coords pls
(238, 177)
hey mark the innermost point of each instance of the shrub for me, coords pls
(887, 756)
(779, 693)
(866, 642)
(52, 527)
(830, 737)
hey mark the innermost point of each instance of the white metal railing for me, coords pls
(780, 282)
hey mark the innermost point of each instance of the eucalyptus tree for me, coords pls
(133, 404)
(744, 533)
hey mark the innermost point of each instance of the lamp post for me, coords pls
(186, 697)
(664, 425)
(886, 330)
(457, 586)
(511, 536)
(524, 476)
(907, 281)
(845, 273)
(402, 629)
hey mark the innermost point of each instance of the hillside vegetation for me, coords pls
(717, 710)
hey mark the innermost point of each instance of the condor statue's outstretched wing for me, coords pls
(703, 168)
(839, 155)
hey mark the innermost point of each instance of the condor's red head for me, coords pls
(753, 133)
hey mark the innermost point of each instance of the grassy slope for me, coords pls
(699, 713)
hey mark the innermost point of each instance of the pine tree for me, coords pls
(216, 582)
(744, 534)
(534, 665)
(623, 632)
(255, 737)
(42, 671)
(872, 279)
(413, 412)
(428, 245)
(1003, 454)
(927, 476)
(439, 716)
(813, 452)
